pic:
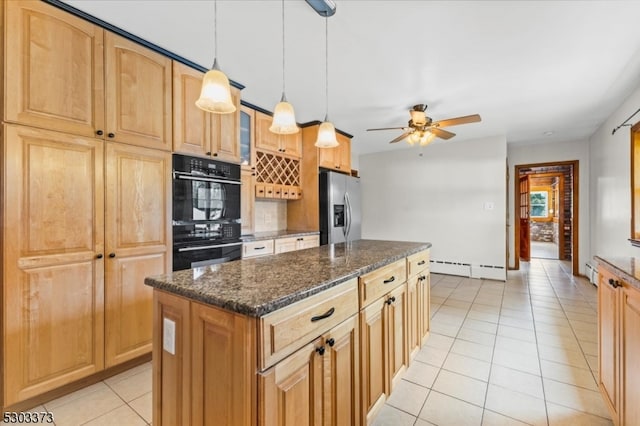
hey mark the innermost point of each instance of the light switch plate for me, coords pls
(169, 336)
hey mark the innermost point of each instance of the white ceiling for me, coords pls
(527, 67)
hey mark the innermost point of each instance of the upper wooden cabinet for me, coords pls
(288, 145)
(63, 73)
(53, 69)
(197, 132)
(247, 138)
(338, 158)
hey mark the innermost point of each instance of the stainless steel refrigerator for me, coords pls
(340, 208)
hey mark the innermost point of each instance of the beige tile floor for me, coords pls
(514, 353)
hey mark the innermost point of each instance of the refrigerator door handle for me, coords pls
(348, 212)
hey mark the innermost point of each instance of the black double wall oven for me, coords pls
(206, 212)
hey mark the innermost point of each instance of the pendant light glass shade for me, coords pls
(326, 135)
(427, 138)
(284, 119)
(215, 95)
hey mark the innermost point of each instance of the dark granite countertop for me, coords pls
(627, 267)
(276, 234)
(257, 286)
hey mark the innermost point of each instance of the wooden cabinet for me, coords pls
(247, 137)
(383, 335)
(197, 132)
(257, 248)
(247, 201)
(619, 347)
(54, 69)
(53, 264)
(317, 385)
(84, 80)
(338, 158)
(288, 145)
(418, 309)
(283, 245)
(137, 245)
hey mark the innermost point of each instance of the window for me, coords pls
(539, 204)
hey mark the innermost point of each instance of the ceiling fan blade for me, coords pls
(387, 128)
(458, 120)
(399, 138)
(442, 134)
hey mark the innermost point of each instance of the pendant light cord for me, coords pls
(215, 33)
(326, 62)
(283, 56)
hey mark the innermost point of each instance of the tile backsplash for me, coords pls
(270, 215)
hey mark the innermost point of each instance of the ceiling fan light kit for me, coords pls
(423, 130)
(215, 94)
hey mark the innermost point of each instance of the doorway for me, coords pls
(546, 212)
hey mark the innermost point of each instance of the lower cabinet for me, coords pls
(619, 347)
(317, 385)
(283, 245)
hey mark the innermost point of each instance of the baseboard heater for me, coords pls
(472, 270)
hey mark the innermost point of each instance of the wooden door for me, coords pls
(413, 331)
(424, 306)
(629, 355)
(247, 201)
(609, 340)
(397, 335)
(138, 94)
(525, 232)
(342, 393)
(223, 363)
(191, 125)
(290, 393)
(225, 132)
(53, 69)
(373, 359)
(138, 244)
(265, 139)
(52, 260)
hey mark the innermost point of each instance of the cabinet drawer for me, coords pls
(381, 281)
(417, 263)
(257, 248)
(284, 331)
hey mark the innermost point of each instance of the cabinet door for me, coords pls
(343, 160)
(373, 347)
(247, 137)
(247, 201)
(342, 393)
(53, 234)
(265, 139)
(292, 144)
(191, 125)
(290, 393)
(630, 353)
(138, 94)
(53, 69)
(284, 245)
(608, 338)
(327, 157)
(424, 307)
(225, 132)
(413, 330)
(308, 241)
(397, 339)
(138, 244)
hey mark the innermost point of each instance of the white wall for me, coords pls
(440, 197)
(546, 153)
(610, 184)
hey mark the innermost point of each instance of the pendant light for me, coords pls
(215, 95)
(284, 118)
(326, 132)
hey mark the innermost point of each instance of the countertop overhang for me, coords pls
(261, 285)
(627, 267)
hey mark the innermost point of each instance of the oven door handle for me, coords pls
(205, 179)
(208, 247)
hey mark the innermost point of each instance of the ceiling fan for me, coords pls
(423, 129)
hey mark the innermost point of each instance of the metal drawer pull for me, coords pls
(390, 280)
(422, 262)
(323, 316)
(259, 248)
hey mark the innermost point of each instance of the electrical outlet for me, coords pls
(169, 336)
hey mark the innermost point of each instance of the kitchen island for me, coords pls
(316, 336)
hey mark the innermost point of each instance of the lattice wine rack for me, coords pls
(278, 170)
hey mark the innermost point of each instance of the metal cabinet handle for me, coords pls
(99, 133)
(390, 280)
(320, 350)
(331, 342)
(112, 255)
(422, 262)
(259, 248)
(614, 283)
(111, 135)
(99, 256)
(323, 316)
